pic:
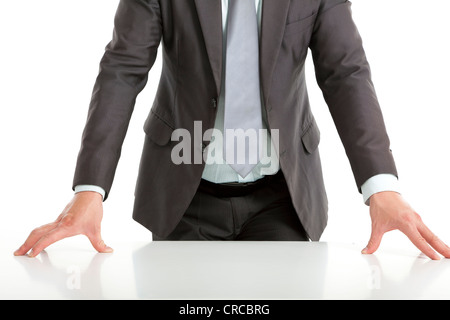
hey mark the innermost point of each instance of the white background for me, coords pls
(49, 57)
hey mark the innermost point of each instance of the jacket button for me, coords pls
(214, 102)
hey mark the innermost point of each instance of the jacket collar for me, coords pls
(274, 15)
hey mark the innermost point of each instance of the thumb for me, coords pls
(374, 242)
(99, 244)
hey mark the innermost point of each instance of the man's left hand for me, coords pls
(389, 211)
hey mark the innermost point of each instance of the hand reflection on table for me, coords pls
(421, 276)
(70, 280)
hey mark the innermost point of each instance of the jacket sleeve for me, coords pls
(123, 74)
(344, 76)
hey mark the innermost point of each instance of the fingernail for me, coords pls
(364, 251)
(17, 252)
(109, 250)
(31, 254)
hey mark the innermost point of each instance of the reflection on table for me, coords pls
(224, 270)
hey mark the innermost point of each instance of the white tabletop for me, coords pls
(222, 270)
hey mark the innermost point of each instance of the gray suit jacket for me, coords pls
(191, 35)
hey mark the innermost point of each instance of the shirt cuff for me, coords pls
(88, 187)
(379, 183)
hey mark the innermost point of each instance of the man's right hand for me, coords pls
(83, 215)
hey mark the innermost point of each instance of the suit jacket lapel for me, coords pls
(274, 15)
(210, 16)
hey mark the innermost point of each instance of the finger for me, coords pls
(98, 244)
(374, 242)
(34, 236)
(434, 241)
(48, 239)
(419, 241)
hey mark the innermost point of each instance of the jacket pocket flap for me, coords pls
(157, 129)
(300, 25)
(311, 137)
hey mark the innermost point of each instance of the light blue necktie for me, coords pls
(242, 87)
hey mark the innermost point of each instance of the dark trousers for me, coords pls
(261, 210)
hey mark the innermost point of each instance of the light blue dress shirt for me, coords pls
(221, 173)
